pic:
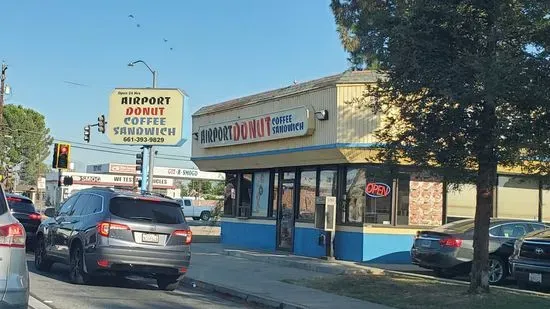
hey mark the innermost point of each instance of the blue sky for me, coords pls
(221, 50)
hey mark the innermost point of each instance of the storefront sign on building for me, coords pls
(146, 117)
(116, 180)
(377, 189)
(175, 172)
(111, 168)
(289, 123)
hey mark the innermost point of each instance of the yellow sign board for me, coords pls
(146, 116)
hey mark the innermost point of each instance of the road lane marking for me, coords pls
(36, 304)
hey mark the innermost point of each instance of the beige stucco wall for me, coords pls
(356, 123)
(347, 124)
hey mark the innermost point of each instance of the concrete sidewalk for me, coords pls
(334, 267)
(212, 268)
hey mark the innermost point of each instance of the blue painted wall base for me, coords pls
(348, 246)
(248, 235)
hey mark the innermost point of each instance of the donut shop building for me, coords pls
(281, 149)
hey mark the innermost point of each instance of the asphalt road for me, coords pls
(53, 289)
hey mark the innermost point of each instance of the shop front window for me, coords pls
(308, 186)
(260, 195)
(356, 180)
(517, 197)
(403, 192)
(378, 199)
(327, 183)
(461, 202)
(275, 195)
(245, 196)
(230, 194)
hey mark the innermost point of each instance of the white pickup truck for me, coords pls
(192, 209)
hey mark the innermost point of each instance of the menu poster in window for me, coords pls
(425, 200)
(260, 196)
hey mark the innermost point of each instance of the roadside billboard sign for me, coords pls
(146, 116)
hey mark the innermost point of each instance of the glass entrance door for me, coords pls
(285, 215)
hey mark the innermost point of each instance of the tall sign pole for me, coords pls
(151, 149)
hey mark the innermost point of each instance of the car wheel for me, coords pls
(168, 283)
(76, 272)
(205, 216)
(497, 270)
(41, 261)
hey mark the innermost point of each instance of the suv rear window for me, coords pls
(146, 210)
(20, 204)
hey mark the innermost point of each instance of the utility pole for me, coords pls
(2, 134)
(151, 149)
(2, 90)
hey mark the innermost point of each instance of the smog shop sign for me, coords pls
(146, 117)
(288, 123)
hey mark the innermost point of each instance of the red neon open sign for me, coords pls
(377, 189)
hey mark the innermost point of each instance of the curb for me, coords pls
(243, 295)
(327, 269)
(353, 269)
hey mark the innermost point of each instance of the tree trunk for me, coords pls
(479, 276)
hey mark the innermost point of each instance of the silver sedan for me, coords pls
(14, 274)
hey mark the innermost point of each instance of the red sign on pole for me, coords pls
(377, 189)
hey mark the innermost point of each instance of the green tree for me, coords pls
(465, 87)
(26, 141)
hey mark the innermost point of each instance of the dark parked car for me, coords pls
(22, 208)
(101, 230)
(448, 249)
(530, 262)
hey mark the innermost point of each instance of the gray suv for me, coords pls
(102, 230)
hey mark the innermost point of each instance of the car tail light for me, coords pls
(451, 242)
(184, 233)
(103, 263)
(35, 217)
(14, 199)
(12, 235)
(104, 228)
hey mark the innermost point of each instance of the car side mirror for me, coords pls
(50, 212)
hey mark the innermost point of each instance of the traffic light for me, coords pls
(68, 180)
(139, 161)
(101, 124)
(61, 156)
(87, 134)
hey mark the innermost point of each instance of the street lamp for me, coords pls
(148, 185)
(131, 64)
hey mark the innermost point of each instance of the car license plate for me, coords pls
(152, 238)
(425, 243)
(536, 278)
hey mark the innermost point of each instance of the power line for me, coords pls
(102, 147)
(117, 148)
(127, 154)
